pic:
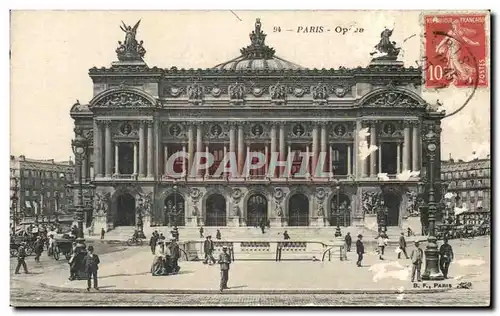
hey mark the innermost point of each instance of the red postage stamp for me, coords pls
(456, 48)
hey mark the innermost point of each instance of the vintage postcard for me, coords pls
(250, 158)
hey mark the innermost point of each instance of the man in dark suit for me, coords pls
(417, 256)
(208, 248)
(175, 254)
(21, 255)
(360, 249)
(402, 246)
(91, 264)
(445, 257)
(348, 241)
(152, 241)
(224, 261)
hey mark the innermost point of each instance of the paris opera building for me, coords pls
(140, 116)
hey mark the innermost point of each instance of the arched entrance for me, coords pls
(298, 210)
(340, 210)
(215, 214)
(125, 210)
(174, 210)
(392, 202)
(256, 210)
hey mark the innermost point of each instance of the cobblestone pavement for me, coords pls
(36, 296)
(471, 264)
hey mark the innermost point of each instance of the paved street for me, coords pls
(129, 270)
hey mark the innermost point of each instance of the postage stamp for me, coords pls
(250, 158)
(456, 48)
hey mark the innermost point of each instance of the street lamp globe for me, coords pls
(79, 145)
(431, 147)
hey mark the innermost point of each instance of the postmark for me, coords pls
(456, 50)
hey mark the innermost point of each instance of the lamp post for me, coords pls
(80, 146)
(14, 184)
(432, 271)
(140, 222)
(338, 232)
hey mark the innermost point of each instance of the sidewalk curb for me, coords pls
(240, 291)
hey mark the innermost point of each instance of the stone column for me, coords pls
(165, 161)
(415, 166)
(108, 149)
(158, 153)
(241, 150)
(349, 160)
(135, 158)
(199, 146)
(314, 149)
(324, 142)
(282, 146)
(379, 151)
(98, 148)
(398, 159)
(355, 149)
(150, 150)
(85, 167)
(190, 133)
(232, 145)
(273, 143)
(406, 146)
(373, 155)
(117, 158)
(142, 145)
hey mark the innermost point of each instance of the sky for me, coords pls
(52, 51)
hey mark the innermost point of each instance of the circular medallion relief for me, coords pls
(340, 130)
(298, 130)
(389, 128)
(257, 130)
(216, 130)
(126, 129)
(175, 130)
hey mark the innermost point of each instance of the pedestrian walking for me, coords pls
(38, 248)
(263, 225)
(201, 232)
(21, 255)
(152, 241)
(218, 235)
(348, 241)
(360, 250)
(224, 261)
(445, 257)
(175, 254)
(208, 248)
(102, 233)
(91, 263)
(285, 235)
(381, 243)
(416, 256)
(52, 245)
(402, 246)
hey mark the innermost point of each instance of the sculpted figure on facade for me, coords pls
(101, 203)
(130, 49)
(320, 93)
(236, 92)
(386, 46)
(278, 93)
(370, 202)
(195, 93)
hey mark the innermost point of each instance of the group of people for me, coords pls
(224, 260)
(218, 234)
(417, 254)
(166, 254)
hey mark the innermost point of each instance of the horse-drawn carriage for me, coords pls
(15, 242)
(64, 246)
(467, 224)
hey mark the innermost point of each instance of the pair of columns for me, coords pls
(411, 150)
(106, 170)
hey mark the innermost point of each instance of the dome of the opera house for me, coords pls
(257, 56)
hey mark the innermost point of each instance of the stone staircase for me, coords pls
(323, 234)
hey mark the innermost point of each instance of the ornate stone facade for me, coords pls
(258, 102)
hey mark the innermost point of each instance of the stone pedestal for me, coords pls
(317, 222)
(234, 222)
(278, 222)
(192, 222)
(100, 223)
